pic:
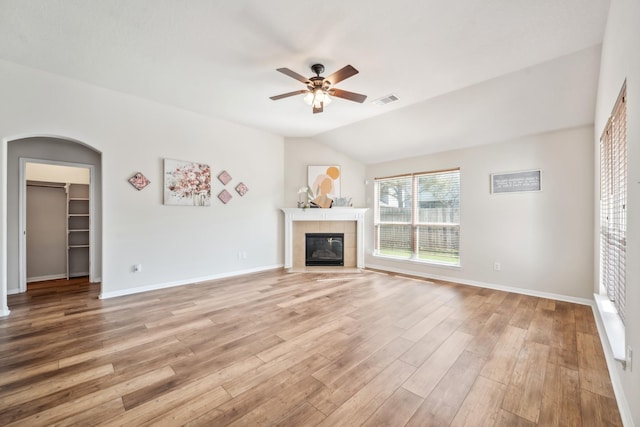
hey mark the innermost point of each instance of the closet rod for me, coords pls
(52, 185)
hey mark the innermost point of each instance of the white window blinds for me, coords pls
(394, 216)
(417, 217)
(613, 205)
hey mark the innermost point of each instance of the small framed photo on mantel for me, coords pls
(516, 182)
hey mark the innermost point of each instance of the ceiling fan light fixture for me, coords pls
(308, 98)
(319, 90)
(326, 99)
(317, 98)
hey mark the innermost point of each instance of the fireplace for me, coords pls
(298, 222)
(324, 249)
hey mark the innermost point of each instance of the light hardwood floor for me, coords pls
(290, 349)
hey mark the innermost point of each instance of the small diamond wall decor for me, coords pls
(224, 196)
(242, 189)
(224, 177)
(139, 181)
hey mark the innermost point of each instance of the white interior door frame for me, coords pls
(22, 216)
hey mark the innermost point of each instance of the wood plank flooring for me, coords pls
(287, 349)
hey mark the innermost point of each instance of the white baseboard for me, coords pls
(4, 311)
(156, 286)
(13, 291)
(540, 294)
(43, 278)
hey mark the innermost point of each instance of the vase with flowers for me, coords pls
(303, 198)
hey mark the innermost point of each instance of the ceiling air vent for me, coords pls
(385, 100)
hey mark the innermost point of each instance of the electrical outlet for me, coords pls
(629, 358)
(496, 266)
(137, 268)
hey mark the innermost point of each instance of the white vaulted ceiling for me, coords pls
(467, 72)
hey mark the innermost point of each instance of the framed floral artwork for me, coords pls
(187, 183)
(139, 181)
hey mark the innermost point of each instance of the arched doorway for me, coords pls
(55, 150)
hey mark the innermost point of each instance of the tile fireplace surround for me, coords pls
(292, 215)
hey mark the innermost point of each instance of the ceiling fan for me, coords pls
(320, 89)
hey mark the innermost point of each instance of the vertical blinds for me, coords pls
(613, 205)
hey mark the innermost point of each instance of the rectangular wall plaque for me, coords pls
(513, 182)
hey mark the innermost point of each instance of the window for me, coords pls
(417, 217)
(613, 205)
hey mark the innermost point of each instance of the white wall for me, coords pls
(302, 152)
(543, 240)
(620, 61)
(174, 244)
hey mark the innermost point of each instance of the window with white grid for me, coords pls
(613, 205)
(417, 217)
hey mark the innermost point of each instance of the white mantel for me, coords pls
(316, 214)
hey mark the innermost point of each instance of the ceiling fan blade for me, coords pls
(295, 75)
(318, 109)
(286, 95)
(345, 94)
(342, 74)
